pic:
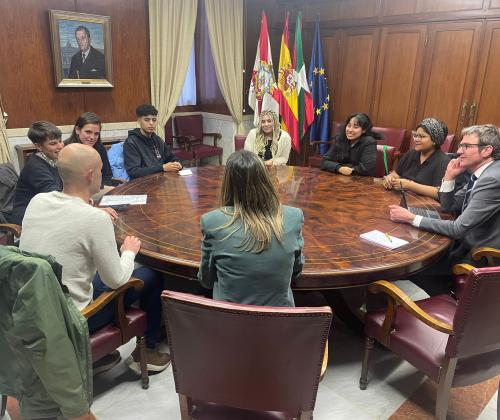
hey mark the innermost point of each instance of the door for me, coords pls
(451, 61)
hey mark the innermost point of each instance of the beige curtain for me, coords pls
(171, 35)
(4, 140)
(225, 27)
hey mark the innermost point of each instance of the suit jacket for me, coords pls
(246, 277)
(92, 68)
(479, 224)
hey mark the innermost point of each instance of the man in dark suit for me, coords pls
(87, 63)
(477, 204)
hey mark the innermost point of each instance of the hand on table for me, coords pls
(399, 214)
(345, 170)
(111, 212)
(131, 243)
(172, 167)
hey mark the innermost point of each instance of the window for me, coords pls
(188, 93)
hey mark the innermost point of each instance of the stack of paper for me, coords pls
(115, 200)
(383, 239)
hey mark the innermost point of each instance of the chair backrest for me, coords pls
(239, 141)
(8, 182)
(477, 318)
(446, 147)
(380, 165)
(189, 125)
(243, 356)
(392, 136)
(169, 139)
(336, 127)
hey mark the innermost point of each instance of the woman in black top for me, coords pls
(422, 169)
(354, 151)
(87, 131)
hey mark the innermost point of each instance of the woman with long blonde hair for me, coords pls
(252, 244)
(269, 141)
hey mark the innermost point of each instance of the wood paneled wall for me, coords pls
(26, 72)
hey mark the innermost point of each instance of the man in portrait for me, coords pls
(88, 62)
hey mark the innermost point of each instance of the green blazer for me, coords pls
(246, 277)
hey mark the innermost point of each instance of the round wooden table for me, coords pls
(337, 209)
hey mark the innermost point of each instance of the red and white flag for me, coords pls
(263, 89)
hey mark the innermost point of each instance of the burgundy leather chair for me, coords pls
(235, 361)
(239, 142)
(380, 171)
(127, 324)
(392, 136)
(446, 147)
(314, 156)
(183, 151)
(454, 342)
(191, 127)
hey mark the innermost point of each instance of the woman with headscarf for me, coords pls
(422, 169)
(269, 141)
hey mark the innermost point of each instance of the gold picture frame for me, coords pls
(81, 49)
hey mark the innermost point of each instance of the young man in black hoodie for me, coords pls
(144, 152)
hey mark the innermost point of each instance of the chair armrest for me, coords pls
(462, 269)
(486, 252)
(110, 295)
(398, 296)
(216, 136)
(184, 141)
(10, 228)
(118, 181)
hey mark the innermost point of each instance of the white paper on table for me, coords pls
(116, 200)
(184, 172)
(380, 238)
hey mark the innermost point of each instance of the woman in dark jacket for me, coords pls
(87, 131)
(354, 151)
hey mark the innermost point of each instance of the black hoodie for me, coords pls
(141, 157)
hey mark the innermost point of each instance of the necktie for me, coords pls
(83, 58)
(468, 191)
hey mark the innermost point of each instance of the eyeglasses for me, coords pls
(466, 146)
(418, 136)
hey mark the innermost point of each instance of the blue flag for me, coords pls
(320, 128)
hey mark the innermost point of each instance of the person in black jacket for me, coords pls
(40, 173)
(354, 151)
(144, 152)
(87, 130)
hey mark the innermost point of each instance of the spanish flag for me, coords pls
(287, 88)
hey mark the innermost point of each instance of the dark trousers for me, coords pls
(149, 297)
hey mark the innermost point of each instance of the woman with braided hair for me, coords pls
(269, 141)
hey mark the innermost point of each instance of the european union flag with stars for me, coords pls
(320, 128)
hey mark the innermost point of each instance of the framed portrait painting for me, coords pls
(81, 49)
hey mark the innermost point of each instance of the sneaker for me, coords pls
(106, 363)
(156, 361)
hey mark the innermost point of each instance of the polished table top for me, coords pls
(337, 209)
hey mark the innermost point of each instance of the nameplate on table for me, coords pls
(383, 239)
(115, 200)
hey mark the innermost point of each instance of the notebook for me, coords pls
(383, 239)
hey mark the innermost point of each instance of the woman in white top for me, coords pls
(269, 141)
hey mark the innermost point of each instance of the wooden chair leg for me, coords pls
(220, 160)
(444, 387)
(184, 405)
(363, 380)
(3, 405)
(141, 344)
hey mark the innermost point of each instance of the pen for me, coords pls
(388, 236)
